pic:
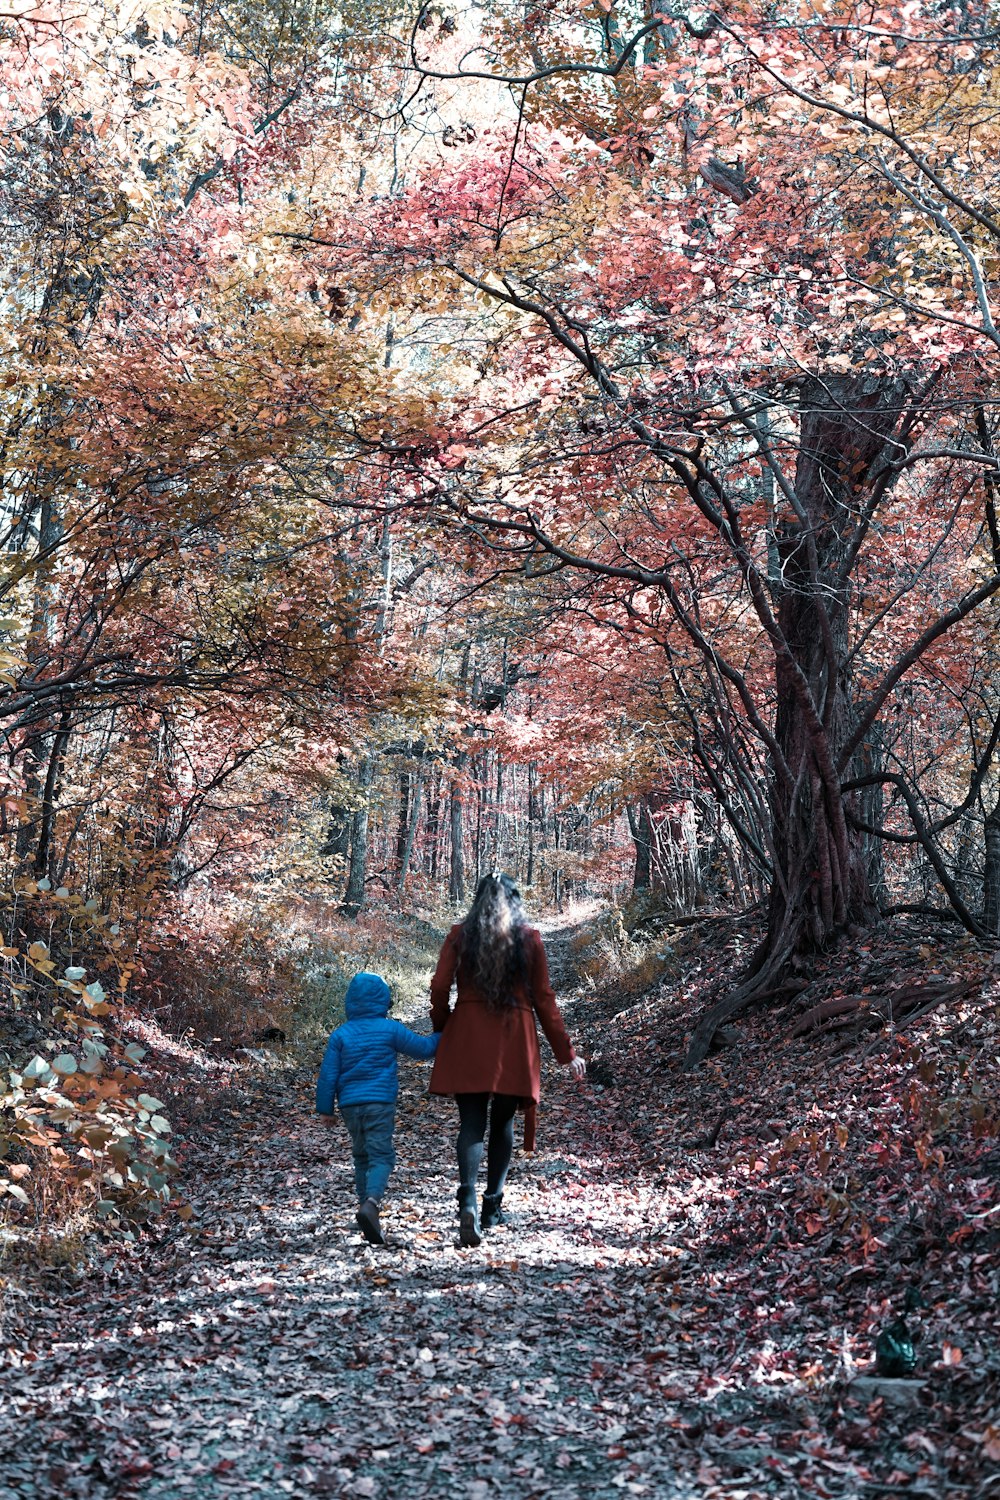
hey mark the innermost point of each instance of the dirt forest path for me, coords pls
(267, 1350)
(585, 1351)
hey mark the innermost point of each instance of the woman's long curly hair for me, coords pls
(493, 944)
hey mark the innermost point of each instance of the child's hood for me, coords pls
(367, 996)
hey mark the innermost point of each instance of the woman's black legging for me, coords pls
(472, 1113)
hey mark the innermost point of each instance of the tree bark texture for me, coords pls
(358, 868)
(433, 819)
(821, 883)
(822, 880)
(991, 874)
(638, 823)
(50, 795)
(411, 832)
(456, 883)
(338, 833)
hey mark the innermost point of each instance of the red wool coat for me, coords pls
(488, 1051)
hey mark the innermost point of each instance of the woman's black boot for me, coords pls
(468, 1218)
(492, 1213)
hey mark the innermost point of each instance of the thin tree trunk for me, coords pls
(27, 828)
(456, 879)
(870, 760)
(403, 825)
(543, 833)
(638, 822)
(50, 530)
(433, 824)
(456, 883)
(411, 833)
(991, 873)
(497, 860)
(50, 794)
(338, 828)
(478, 844)
(588, 827)
(557, 884)
(357, 871)
(532, 776)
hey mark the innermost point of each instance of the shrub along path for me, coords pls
(656, 1318)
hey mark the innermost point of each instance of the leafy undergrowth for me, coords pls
(657, 1317)
(81, 1135)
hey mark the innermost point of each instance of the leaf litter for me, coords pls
(658, 1316)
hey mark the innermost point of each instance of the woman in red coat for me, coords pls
(489, 1047)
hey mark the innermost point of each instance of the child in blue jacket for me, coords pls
(359, 1070)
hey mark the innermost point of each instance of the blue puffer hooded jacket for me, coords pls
(359, 1065)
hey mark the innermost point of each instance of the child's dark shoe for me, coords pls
(468, 1218)
(368, 1222)
(492, 1213)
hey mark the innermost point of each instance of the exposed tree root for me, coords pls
(907, 1003)
(772, 976)
(761, 985)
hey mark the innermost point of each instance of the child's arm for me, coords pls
(329, 1077)
(412, 1043)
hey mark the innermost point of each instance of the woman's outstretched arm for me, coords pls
(441, 983)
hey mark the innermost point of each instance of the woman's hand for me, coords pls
(577, 1068)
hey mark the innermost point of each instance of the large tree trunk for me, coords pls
(820, 885)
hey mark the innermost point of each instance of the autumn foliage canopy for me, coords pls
(559, 438)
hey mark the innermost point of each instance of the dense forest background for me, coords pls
(554, 438)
